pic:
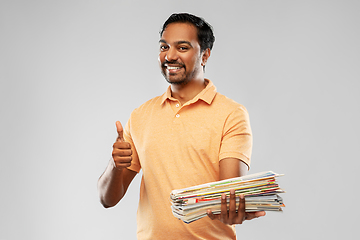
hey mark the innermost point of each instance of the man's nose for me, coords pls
(171, 55)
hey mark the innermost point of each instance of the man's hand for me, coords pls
(121, 150)
(232, 217)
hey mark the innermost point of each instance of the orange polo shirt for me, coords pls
(178, 146)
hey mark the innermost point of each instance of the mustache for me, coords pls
(172, 62)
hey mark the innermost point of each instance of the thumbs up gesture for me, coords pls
(121, 150)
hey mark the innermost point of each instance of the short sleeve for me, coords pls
(237, 137)
(135, 163)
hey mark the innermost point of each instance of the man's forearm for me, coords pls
(111, 186)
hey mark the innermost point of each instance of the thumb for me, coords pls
(120, 131)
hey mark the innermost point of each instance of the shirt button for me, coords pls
(177, 105)
(177, 115)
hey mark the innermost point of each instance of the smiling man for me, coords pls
(180, 54)
(188, 136)
(182, 59)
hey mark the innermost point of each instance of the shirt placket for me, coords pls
(176, 107)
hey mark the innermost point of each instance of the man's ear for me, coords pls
(205, 56)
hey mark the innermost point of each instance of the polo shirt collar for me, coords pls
(207, 94)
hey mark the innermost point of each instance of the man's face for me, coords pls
(180, 57)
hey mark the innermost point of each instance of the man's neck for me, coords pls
(184, 93)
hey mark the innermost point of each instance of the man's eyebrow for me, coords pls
(184, 42)
(177, 43)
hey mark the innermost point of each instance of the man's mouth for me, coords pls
(172, 65)
(172, 68)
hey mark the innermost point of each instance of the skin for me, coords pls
(179, 47)
(181, 62)
(115, 180)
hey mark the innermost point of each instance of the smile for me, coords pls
(172, 68)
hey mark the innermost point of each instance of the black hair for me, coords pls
(204, 30)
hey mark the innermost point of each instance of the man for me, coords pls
(188, 136)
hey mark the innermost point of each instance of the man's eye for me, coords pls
(163, 47)
(183, 48)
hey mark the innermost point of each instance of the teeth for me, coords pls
(171, 68)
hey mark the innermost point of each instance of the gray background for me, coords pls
(70, 69)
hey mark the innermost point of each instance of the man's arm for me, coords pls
(114, 182)
(230, 168)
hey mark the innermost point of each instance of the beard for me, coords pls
(178, 80)
(181, 79)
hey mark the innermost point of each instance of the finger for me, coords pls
(224, 212)
(126, 159)
(120, 131)
(121, 155)
(122, 152)
(232, 206)
(241, 209)
(121, 145)
(252, 215)
(211, 215)
(122, 162)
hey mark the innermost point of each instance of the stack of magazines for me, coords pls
(260, 191)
